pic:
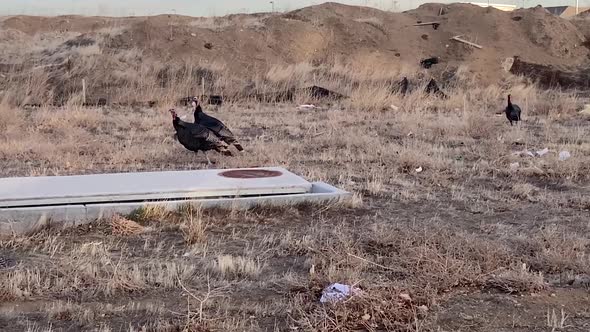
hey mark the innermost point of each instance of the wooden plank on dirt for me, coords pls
(426, 23)
(461, 40)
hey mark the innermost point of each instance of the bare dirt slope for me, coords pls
(247, 46)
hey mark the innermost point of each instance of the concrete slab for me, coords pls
(18, 220)
(125, 187)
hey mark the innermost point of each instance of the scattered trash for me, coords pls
(366, 317)
(427, 63)
(193, 34)
(337, 292)
(564, 155)
(306, 107)
(543, 152)
(419, 169)
(394, 108)
(525, 153)
(514, 166)
(423, 308)
(208, 46)
(410, 134)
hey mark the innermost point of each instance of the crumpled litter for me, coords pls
(543, 152)
(514, 166)
(564, 155)
(337, 292)
(306, 107)
(525, 152)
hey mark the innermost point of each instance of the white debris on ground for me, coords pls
(586, 109)
(543, 152)
(337, 292)
(306, 107)
(525, 153)
(564, 155)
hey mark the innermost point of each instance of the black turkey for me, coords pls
(512, 112)
(215, 125)
(196, 137)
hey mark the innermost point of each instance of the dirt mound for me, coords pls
(35, 24)
(348, 38)
(531, 34)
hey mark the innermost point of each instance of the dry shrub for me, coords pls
(517, 280)
(194, 226)
(125, 227)
(524, 191)
(371, 97)
(6, 294)
(555, 103)
(231, 267)
(151, 213)
(436, 257)
(414, 155)
(10, 120)
(290, 73)
(477, 124)
(378, 308)
(555, 249)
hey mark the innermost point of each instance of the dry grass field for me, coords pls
(470, 243)
(450, 227)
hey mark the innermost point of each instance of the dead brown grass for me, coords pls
(464, 224)
(123, 226)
